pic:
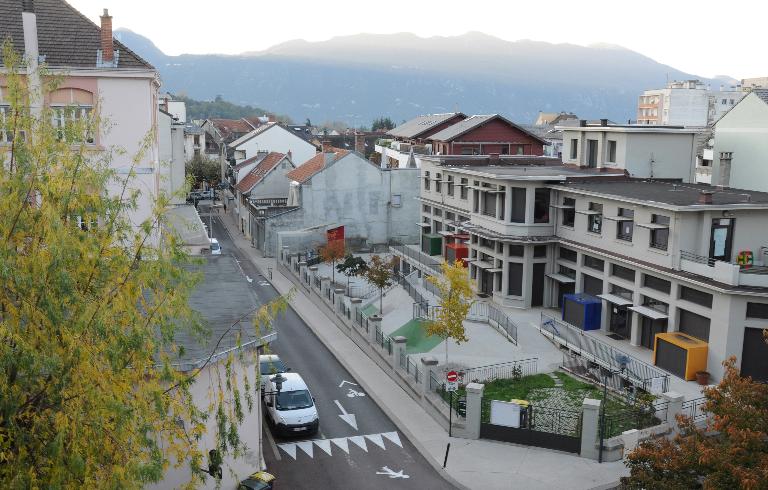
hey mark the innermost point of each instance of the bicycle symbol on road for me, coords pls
(353, 393)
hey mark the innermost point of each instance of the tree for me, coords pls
(379, 273)
(202, 169)
(352, 267)
(731, 452)
(308, 123)
(331, 253)
(382, 123)
(91, 304)
(455, 302)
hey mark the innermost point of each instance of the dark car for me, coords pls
(260, 480)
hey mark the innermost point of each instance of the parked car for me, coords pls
(270, 365)
(260, 480)
(215, 247)
(209, 194)
(292, 410)
(194, 196)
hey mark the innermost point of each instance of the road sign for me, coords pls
(451, 381)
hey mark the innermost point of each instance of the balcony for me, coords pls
(755, 275)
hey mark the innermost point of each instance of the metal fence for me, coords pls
(504, 370)
(541, 418)
(402, 361)
(427, 261)
(503, 321)
(694, 409)
(633, 417)
(631, 369)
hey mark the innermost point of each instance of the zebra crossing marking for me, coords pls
(327, 445)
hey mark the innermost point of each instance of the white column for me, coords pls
(590, 428)
(474, 409)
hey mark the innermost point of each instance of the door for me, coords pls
(537, 285)
(620, 320)
(753, 355)
(486, 282)
(592, 153)
(648, 330)
(721, 239)
(563, 289)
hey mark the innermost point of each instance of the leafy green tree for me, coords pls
(382, 123)
(379, 273)
(202, 169)
(90, 304)
(455, 302)
(352, 267)
(731, 452)
(220, 108)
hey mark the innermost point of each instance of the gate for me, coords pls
(540, 426)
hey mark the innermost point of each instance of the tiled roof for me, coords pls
(230, 129)
(245, 163)
(454, 131)
(762, 93)
(65, 36)
(421, 124)
(315, 164)
(252, 133)
(259, 171)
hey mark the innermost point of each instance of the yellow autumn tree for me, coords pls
(455, 302)
(90, 305)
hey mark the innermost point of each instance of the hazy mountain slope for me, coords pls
(357, 78)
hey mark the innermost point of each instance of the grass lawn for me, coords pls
(418, 340)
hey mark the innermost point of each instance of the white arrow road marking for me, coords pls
(342, 443)
(376, 439)
(324, 444)
(359, 442)
(391, 473)
(392, 436)
(345, 381)
(289, 448)
(248, 279)
(306, 446)
(346, 417)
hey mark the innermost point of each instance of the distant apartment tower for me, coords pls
(686, 103)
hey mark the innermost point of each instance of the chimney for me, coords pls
(582, 123)
(107, 47)
(360, 143)
(603, 122)
(271, 118)
(725, 169)
(705, 197)
(327, 148)
(32, 55)
(290, 155)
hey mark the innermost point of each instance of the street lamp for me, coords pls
(623, 361)
(278, 380)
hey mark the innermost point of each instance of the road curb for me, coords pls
(344, 362)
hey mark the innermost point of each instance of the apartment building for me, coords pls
(686, 103)
(660, 152)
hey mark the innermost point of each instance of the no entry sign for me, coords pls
(451, 381)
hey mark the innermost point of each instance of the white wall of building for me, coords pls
(280, 140)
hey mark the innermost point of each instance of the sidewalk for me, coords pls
(471, 464)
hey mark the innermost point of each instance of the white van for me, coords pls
(215, 247)
(292, 411)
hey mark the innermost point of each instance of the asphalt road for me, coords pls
(374, 455)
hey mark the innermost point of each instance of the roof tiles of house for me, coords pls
(66, 38)
(315, 164)
(421, 124)
(245, 163)
(259, 171)
(229, 128)
(252, 134)
(762, 93)
(462, 127)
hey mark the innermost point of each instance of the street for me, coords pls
(357, 446)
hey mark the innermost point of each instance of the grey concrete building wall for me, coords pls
(744, 132)
(661, 155)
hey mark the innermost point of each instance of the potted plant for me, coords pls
(702, 377)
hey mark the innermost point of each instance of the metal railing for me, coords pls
(633, 370)
(403, 359)
(417, 255)
(633, 417)
(503, 321)
(694, 409)
(503, 370)
(699, 259)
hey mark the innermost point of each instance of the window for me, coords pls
(693, 324)
(426, 208)
(595, 221)
(502, 201)
(484, 242)
(625, 226)
(593, 263)
(541, 206)
(437, 226)
(438, 182)
(450, 185)
(516, 250)
(696, 296)
(660, 236)
(518, 205)
(568, 254)
(450, 216)
(397, 200)
(463, 193)
(72, 123)
(731, 101)
(621, 292)
(724, 101)
(655, 304)
(426, 180)
(437, 212)
(591, 153)
(489, 204)
(569, 214)
(515, 279)
(540, 251)
(623, 272)
(520, 149)
(592, 285)
(463, 219)
(567, 272)
(574, 148)
(500, 247)
(653, 282)
(476, 200)
(757, 310)
(611, 157)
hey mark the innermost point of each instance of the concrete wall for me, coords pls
(280, 140)
(744, 131)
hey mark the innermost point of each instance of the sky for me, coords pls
(705, 38)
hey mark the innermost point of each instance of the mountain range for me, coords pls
(357, 78)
